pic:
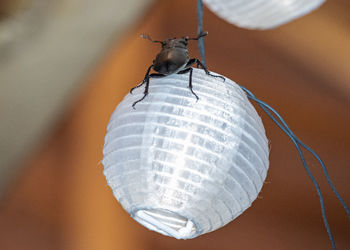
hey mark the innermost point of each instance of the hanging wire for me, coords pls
(296, 140)
(285, 128)
(200, 30)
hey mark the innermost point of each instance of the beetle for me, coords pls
(172, 59)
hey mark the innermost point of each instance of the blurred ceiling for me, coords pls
(47, 48)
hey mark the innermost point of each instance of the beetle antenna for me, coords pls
(203, 33)
(149, 38)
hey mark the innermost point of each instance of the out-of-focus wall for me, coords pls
(47, 49)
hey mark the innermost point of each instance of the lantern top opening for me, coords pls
(166, 222)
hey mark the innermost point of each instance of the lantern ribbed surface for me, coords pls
(261, 14)
(181, 167)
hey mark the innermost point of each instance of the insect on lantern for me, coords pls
(173, 58)
(184, 163)
(185, 166)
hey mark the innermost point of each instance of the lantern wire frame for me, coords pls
(285, 128)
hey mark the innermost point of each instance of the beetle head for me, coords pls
(176, 42)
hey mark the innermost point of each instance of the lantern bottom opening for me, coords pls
(166, 222)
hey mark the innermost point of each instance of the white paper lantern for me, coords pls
(261, 14)
(181, 167)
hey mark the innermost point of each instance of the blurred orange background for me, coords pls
(60, 199)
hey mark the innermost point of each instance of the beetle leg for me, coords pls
(132, 89)
(195, 60)
(145, 93)
(144, 80)
(156, 75)
(190, 62)
(190, 80)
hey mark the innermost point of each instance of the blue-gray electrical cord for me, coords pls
(200, 30)
(285, 128)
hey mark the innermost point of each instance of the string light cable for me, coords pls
(280, 122)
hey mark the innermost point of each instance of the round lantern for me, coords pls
(184, 167)
(261, 14)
